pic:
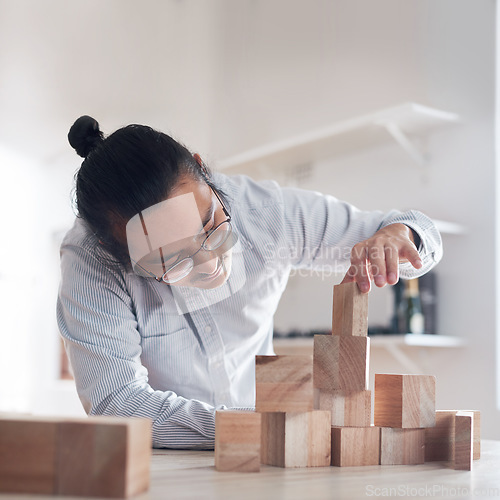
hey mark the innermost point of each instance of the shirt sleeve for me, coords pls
(97, 322)
(321, 231)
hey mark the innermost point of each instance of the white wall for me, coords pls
(120, 61)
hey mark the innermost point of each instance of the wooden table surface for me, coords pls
(177, 474)
(191, 474)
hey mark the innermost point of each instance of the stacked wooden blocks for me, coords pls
(341, 379)
(96, 456)
(293, 433)
(405, 405)
(316, 411)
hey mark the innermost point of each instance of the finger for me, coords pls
(363, 277)
(349, 276)
(376, 257)
(359, 267)
(411, 254)
(392, 265)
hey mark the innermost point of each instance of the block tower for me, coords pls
(316, 410)
(404, 404)
(341, 379)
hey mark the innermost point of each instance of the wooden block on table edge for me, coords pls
(440, 440)
(284, 383)
(341, 363)
(56, 459)
(122, 447)
(296, 439)
(464, 435)
(395, 394)
(355, 446)
(28, 454)
(349, 311)
(237, 441)
(402, 446)
(347, 409)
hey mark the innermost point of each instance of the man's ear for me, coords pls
(198, 159)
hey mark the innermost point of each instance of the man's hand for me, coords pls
(378, 257)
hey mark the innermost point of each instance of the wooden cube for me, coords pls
(402, 446)
(28, 455)
(348, 409)
(405, 401)
(104, 456)
(464, 438)
(341, 363)
(440, 440)
(237, 441)
(284, 383)
(350, 310)
(352, 446)
(296, 439)
(95, 456)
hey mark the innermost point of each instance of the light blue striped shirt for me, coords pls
(135, 351)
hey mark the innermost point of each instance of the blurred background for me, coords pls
(312, 93)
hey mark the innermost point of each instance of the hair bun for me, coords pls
(84, 135)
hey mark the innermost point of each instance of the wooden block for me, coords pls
(296, 439)
(440, 440)
(352, 446)
(402, 446)
(341, 363)
(284, 383)
(237, 441)
(28, 455)
(476, 452)
(104, 456)
(350, 310)
(95, 456)
(347, 409)
(464, 436)
(405, 401)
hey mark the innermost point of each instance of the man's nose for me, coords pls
(207, 264)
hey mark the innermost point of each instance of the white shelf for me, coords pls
(399, 340)
(446, 227)
(398, 123)
(412, 339)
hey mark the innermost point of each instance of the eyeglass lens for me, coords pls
(213, 241)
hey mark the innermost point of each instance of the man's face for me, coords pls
(176, 229)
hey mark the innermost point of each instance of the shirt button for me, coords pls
(208, 329)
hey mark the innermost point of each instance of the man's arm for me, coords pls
(326, 233)
(99, 328)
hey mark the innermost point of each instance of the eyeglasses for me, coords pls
(213, 240)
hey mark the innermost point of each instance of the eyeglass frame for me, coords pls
(202, 247)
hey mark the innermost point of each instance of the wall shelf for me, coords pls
(411, 339)
(446, 227)
(399, 123)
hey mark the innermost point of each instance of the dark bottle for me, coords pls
(412, 315)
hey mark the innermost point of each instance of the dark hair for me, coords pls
(123, 174)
